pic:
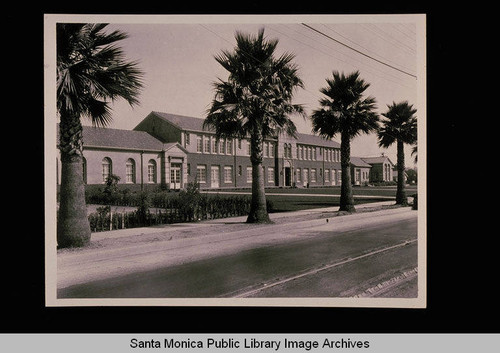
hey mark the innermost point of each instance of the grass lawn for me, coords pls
(287, 199)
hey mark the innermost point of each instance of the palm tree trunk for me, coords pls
(401, 198)
(73, 228)
(346, 198)
(258, 207)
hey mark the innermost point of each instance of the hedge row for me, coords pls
(184, 206)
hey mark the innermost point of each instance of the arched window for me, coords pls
(152, 171)
(130, 171)
(107, 168)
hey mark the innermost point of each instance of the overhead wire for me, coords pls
(224, 39)
(385, 77)
(366, 49)
(358, 51)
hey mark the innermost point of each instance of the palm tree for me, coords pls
(414, 153)
(400, 126)
(344, 111)
(91, 72)
(255, 102)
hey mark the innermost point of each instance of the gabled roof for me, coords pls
(376, 160)
(308, 139)
(117, 138)
(182, 122)
(358, 162)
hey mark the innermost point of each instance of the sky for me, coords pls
(176, 54)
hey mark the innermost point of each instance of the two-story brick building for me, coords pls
(172, 150)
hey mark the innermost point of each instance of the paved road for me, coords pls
(249, 260)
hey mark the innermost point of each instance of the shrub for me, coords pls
(415, 202)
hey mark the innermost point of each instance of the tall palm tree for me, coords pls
(91, 72)
(255, 102)
(414, 153)
(400, 126)
(346, 112)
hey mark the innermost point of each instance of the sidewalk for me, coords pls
(241, 219)
(134, 250)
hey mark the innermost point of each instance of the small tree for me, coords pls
(111, 189)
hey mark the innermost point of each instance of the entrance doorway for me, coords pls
(215, 176)
(306, 177)
(288, 176)
(175, 176)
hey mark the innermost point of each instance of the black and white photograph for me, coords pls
(246, 160)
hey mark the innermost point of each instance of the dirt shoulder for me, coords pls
(136, 236)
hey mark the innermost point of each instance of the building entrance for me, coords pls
(288, 176)
(175, 176)
(215, 176)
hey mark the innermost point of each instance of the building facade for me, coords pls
(171, 151)
(381, 169)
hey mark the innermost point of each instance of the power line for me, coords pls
(359, 52)
(385, 76)
(366, 49)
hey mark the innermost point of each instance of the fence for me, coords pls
(173, 210)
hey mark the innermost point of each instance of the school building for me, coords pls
(170, 151)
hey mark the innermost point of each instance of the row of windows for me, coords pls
(309, 153)
(130, 170)
(310, 175)
(201, 173)
(209, 144)
(302, 174)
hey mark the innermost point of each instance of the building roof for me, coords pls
(117, 138)
(182, 122)
(376, 160)
(309, 139)
(358, 162)
(196, 124)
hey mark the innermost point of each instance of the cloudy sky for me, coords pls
(176, 54)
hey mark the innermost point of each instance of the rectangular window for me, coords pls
(298, 175)
(271, 150)
(215, 146)
(105, 172)
(249, 174)
(151, 173)
(313, 175)
(222, 146)
(229, 146)
(339, 176)
(301, 152)
(201, 173)
(266, 149)
(248, 147)
(314, 153)
(270, 175)
(129, 173)
(206, 144)
(188, 139)
(198, 144)
(228, 174)
(327, 175)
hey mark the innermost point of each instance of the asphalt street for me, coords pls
(231, 258)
